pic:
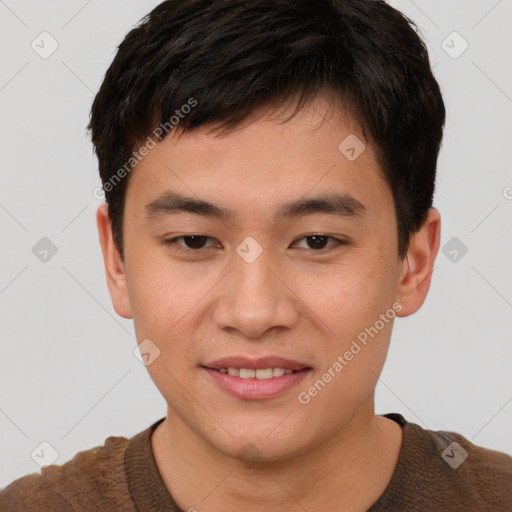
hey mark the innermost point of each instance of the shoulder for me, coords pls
(481, 477)
(489, 467)
(92, 477)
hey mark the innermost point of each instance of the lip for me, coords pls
(256, 389)
(256, 364)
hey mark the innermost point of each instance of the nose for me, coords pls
(255, 299)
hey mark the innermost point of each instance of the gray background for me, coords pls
(67, 369)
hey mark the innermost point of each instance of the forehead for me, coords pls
(265, 162)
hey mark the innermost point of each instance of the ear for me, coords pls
(417, 267)
(114, 266)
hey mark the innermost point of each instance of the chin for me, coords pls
(254, 445)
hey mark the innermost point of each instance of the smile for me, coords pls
(261, 373)
(255, 383)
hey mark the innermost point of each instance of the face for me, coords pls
(264, 251)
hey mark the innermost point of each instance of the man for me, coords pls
(269, 171)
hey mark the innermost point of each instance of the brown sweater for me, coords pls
(432, 475)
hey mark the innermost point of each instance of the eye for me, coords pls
(316, 242)
(193, 242)
(319, 242)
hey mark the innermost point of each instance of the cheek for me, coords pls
(347, 297)
(152, 305)
(365, 316)
(160, 294)
(170, 303)
(349, 302)
(350, 367)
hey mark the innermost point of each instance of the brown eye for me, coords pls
(192, 242)
(319, 242)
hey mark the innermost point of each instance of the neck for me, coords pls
(348, 471)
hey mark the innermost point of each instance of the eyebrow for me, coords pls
(340, 205)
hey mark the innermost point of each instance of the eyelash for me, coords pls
(178, 247)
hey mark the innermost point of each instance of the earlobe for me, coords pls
(114, 266)
(418, 265)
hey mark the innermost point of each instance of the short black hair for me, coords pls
(229, 58)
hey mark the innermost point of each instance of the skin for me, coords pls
(292, 301)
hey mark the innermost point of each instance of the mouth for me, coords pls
(256, 379)
(261, 368)
(260, 373)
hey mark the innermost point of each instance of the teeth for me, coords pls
(262, 373)
(246, 373)
(278, 372)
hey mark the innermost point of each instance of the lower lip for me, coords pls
(256, 388)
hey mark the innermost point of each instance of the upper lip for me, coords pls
(256, 364)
